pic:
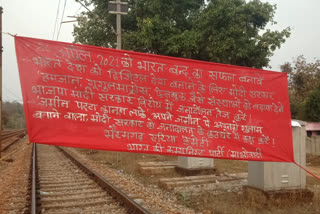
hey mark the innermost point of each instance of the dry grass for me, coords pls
(230, 166)
(238, 203)
(226, 202)
(127, 163)
(311, 181)
(123, 160)
(313, 160)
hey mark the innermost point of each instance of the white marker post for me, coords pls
(277, 176)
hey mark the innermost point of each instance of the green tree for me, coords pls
(4, 118)
(224, 31)
(304, 82)
(13, 115)
(312, 106)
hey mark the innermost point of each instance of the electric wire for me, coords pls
(55, 24)
(9, 34)
(64, 7)
(13, 94)
(78, 10)
(83, 5)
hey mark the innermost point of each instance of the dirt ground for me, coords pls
(231, 200)
(14, 189)
(216, 198)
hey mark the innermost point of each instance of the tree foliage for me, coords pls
(12, 115)
(304, 86)
(225, 31)
(312, 108)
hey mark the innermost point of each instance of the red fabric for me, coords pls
(100, 98)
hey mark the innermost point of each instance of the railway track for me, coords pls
(9, 137)
(62, 184)
(5, 134)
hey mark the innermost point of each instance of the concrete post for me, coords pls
(316, 141)
(269, 176)
(195, 163)
(195, 166)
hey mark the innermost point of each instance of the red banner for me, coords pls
(100, 98)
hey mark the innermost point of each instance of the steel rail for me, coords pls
(5, 136)
(18, 134)
(34, 182)
(105, 184)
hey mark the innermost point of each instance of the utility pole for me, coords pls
(119, 8)
(118, 26)
(1, 10)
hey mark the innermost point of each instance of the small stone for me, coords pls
(138, 200)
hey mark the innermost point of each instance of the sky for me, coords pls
(37, 18)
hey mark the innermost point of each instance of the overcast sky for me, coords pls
(36, 18)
